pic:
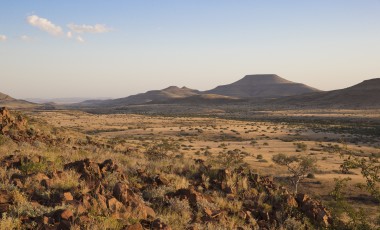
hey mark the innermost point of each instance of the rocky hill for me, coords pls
(263, 86)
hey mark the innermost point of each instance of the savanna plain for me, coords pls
(308, 169)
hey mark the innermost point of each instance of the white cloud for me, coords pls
(69, 34)
(25, 38)
(97, 28)
(3, 38)
(45, 25)
(80, 39)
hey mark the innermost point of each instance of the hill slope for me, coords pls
(11, 102)
(364, 94)
(263, 86)
(171, 92)
(4, 97)
(202, 99)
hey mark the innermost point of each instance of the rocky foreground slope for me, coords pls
(85, 183)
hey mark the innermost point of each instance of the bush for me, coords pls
(311, 176)
(259, 157)
(9, 223)
(33, 167)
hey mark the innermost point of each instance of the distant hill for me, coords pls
(8, 101)
(4, 97)
(202, 99)
(169, 93)
(263, 86)
(64, 100)
(364, 94)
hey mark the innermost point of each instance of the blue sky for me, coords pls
(117, 48)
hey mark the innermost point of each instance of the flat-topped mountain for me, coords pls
(263, 86)
(364, 94)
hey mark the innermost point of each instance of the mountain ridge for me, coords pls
(363, 94)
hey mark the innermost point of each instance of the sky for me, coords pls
(116, 48)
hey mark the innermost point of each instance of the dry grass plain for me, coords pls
(201, 137)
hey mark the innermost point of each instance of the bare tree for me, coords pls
(298, 166)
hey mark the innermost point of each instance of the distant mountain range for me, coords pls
(262, 90)
(251, 86)
(63, 100)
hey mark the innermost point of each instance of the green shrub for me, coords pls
(33, 167)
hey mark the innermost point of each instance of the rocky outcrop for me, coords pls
(9, 122)
(314, 210)
(120, 203)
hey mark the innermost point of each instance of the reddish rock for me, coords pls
(67, 196)
(150, 212)
(88, 169)
(290, 201)
(81, 209)
(102, 202)
(62, 214)
(120, 192)
(114, 205)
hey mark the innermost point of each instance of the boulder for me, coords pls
(89, 170)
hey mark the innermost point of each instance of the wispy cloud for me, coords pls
(80, 39)
(95, 29)
(3, 38)
(25, 38)
(45, 25)
(75, 31)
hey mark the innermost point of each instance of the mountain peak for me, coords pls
(263, 79)
(173, 87)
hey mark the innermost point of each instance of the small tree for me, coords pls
(298, 166)
(370, 170)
